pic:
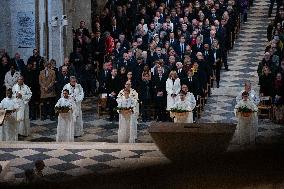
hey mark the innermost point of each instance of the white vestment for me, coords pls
(65, 126)
(10, 125)
(78, 95)
(246, 130)
(23, 113)
(252, 96)
(172, 88)
(191, 99)
(133, 95)
(10, 80)
(127, 131)
(187, 116)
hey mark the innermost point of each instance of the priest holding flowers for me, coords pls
(10, 123)
(76, 92)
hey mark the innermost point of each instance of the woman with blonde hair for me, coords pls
(173, 88)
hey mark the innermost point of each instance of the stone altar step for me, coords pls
(6, 175)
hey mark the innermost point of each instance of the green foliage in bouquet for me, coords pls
(123, 108)
(62, 109)
(178, 110)
(244, 109)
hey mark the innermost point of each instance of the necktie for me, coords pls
(181, 47)
(190, 79)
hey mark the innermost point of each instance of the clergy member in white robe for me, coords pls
(184, 104)
(133, 94)
(173, 88)
(11, 77)
(23, 94)
(246, 131)
(252, 94)
(76, 91)
(126, 119)
(10, 125)
(65, 126)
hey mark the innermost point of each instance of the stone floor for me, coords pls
(96, 151)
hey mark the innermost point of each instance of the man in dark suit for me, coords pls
(123, 42)
(112, 88)
(38, 61)
(198, 47)
(114, 29)
(160, 94)
(217, 63)
(20, 65)
(103, 77)
(82, 29)
(158, 55)
(191, 81)
(62, 79)
(97, 46)
(208, 55)
(211, 38)
(181, 73)
(31, 78)
(172, 39)
(213, 15)
(145, 95)
(180, 47)
(125, 62)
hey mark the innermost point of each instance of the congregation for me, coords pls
(160, 47)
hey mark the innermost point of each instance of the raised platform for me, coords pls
(184, 141)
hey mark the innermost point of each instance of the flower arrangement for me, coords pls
(123, 108)
(178, 110)
(245, 111)
(62, 109)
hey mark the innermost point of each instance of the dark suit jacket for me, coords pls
(61, 82)
(182, 74)
(193, 85)
(217, 56)
(103, 78)
(178, 50)
(145, 88)
(209, 57)
(159, 85)
(196, 49)
(20, 65)
(113, 85)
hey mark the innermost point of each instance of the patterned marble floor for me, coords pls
(68, 160)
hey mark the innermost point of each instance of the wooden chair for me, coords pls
(102, 104)
(199, 105)
(265, 107)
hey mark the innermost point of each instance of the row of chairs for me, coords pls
(267, 109)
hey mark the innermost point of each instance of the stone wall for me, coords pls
(11, 31)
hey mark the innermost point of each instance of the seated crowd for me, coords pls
(146, 43)
(271, 68)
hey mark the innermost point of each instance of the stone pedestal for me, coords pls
(185, 141)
